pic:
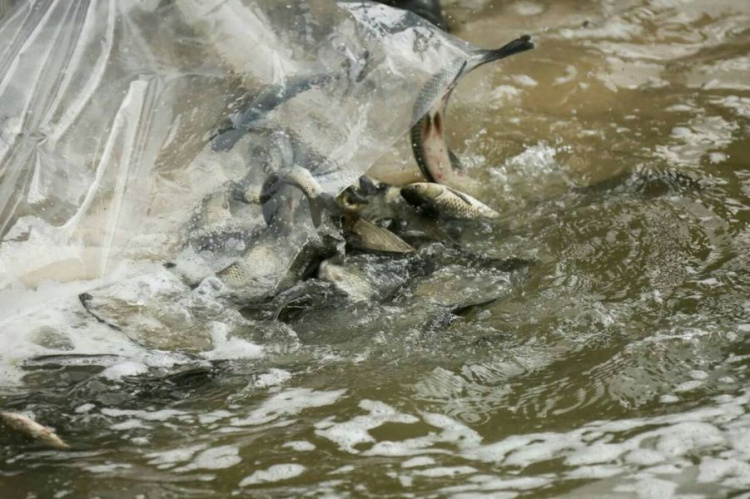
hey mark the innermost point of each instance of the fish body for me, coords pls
(445, 202)
(272, 197)
(426, 9)
(277, 261)
(253, 115)
(431, 152)
(368, 236)
(27, 426)
(352, 282)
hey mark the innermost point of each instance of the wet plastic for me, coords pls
(109, 112)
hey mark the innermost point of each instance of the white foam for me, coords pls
(274, 377)
(213, 416)
(275, 473)
(169, 458)
(441, 471)
(354, 432)
(288, 403)
(214, 458)
(129, 368)
(300, 445)
(418, 461)
(230, 348)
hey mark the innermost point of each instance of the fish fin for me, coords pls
(456, 163)
(377, 238)
(85, 298)
(521, 44)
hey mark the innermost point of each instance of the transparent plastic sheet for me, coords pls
(117, 154)
(107, 108)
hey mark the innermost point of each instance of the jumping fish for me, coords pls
(442, 201)
(434, 158)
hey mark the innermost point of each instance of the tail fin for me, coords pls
(521, 44)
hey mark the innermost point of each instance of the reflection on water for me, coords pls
(619, 368)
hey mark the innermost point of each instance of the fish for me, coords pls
(360, 232)
(376, 200)
(270, 97)
(30, 428)
(363, 234)
(255, 110)
(433, 156)
(354, 283)
(402, 294)
(426, 9)
(272, 197)
(445, 202)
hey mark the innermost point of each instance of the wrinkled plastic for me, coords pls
(108, 109)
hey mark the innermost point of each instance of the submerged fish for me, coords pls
(30, 428)
(365, 277)
(434, 158)
(416, 293)
(253, 115)
(277, 261)
(442, 201)
(646, 182)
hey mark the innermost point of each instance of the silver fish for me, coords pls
(272, 196)
(30, 428)
(442, 201)
(406, 293)
(276, 261)
(434, 158)
(353, 283)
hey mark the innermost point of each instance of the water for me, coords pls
(618, 368)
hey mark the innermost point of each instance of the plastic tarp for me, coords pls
(108, 109)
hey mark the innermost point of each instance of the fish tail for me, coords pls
(521, 44)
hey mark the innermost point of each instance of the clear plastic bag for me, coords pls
(108, 111)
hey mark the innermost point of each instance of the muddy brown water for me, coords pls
(619, 369)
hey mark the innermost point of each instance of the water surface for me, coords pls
(618, 369)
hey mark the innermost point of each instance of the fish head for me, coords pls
(421, 193)
(352, 200)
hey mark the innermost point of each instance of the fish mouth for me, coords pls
(412, 197)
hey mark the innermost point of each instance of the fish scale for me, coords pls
(440, 200)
